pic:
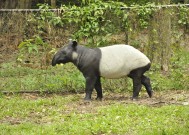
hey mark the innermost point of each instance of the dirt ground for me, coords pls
(173, 97)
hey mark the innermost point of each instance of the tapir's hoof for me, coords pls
(87, 99)
(99, 98)
(134, 98)
(151, 94)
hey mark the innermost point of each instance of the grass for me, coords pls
(68, 78)
(61, 78)
(14, 77)
(68, 114)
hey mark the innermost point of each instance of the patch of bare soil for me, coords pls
(176, 97)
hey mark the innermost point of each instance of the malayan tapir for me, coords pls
(113, 61)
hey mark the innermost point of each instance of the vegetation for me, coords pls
(57, 114)
(67, 78)
(27, 46)
(26, 4)
(97, 24)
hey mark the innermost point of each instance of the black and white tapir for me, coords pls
(114, 61)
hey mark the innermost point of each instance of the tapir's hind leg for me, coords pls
(136, 77)
(136, 87)
(139, 79)
(146, 82)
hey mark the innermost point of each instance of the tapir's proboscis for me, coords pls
(115, 61)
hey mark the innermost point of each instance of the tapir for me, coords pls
(115, 61)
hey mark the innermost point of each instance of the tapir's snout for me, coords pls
(54, 61)
(58, 59)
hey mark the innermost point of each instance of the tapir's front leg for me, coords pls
(90, 82)
(98, 88)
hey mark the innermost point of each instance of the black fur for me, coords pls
(139, 79)
(88, 63)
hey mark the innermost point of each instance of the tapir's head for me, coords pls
(66, 54)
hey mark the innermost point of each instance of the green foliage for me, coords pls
(91, 19)
(96, 20)
(31, 45)
(183, 16)
(144, 13)
(30, 48)
(43, 22)
(133, 2)
(48, 17)
(28, 45)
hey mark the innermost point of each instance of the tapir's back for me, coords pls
(119, 60)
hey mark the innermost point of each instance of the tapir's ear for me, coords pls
(74, 43)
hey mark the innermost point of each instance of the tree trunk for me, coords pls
(160, 37)
(12, 4)
(53, 3)
(24, 4)
(186, 1)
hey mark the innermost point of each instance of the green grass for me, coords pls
(68, 78)
(14, 77)
(176, 78)
(60, 78)
(70, 115)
